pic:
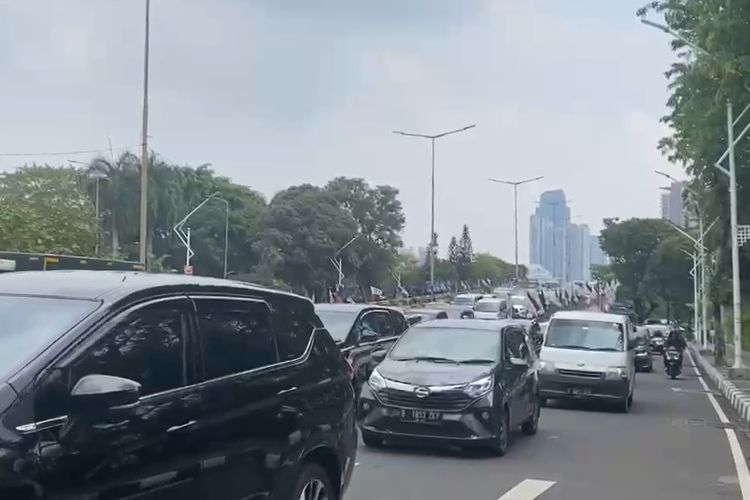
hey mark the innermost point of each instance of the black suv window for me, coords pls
(147, 345)
(379, 322)
(236, 336)
(515, 343)
(293, 326)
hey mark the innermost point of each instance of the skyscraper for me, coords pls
(548, 240)
(579, 252)
(671, 204)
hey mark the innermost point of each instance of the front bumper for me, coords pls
(557, 386)
(475, 424)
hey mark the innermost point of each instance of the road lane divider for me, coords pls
(740, 465)
(528, 489)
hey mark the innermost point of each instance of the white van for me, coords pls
(491, 308)
(588, 355)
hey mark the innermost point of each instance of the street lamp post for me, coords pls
(184, 236)
(338, 263)
(738, 369)
(143, 226)
(694, 274)
(432, 139)
(515, 209)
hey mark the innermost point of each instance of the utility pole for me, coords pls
(515, 185)
(143, 229)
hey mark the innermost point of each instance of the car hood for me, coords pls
(429, 373)
(573, 359)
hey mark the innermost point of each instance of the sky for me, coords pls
(279, 92)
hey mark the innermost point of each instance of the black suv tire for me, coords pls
(312, 479)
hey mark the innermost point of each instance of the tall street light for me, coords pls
(143, 228)
(515, 185)
(338, 263)
(432, 139)
(702, 257)
(184, 236)
(738, 369)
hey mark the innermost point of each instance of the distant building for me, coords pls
(672, 207)
(548, 239)
(579, 253)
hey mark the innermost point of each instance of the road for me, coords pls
(671, 446)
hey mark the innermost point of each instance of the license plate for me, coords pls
(579, 391)
(420, 416)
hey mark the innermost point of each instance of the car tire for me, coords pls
(531, 424)
(313, 484)
(500, 445)
(371, 441)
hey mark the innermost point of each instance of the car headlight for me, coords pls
(480, 386)
(376, 381)
(546, 367)
(617, 372)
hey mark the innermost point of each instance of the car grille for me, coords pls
(580, 373)
(446, 401)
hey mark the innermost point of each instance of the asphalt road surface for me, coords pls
(672, 446)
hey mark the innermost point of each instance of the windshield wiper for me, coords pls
(434, 359)
(476, 361)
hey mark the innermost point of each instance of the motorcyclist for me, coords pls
(675, 340)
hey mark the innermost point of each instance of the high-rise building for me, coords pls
(548, 240)
(579, 252)
(671, 204)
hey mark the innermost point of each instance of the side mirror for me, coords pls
(94, 394)
(518, 363)
(379, 355)
(368, 336)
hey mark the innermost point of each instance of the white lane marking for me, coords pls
(528, 489)
(743, 475)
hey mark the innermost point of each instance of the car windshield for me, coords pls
(452, 344)
(30, 323)
(585, 335)
(464, 300)
(487, 306)
(338, 323)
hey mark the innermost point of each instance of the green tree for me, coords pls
(46, 209)
(668, 274)
(465, 254)
(489, 267)
(453, 255)
(630, 245)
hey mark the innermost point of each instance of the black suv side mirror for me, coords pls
(94, 394)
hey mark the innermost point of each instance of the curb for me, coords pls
(740, 400)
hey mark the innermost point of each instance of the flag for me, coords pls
(543, 298)
(534, 303)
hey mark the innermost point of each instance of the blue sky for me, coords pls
(275, 92)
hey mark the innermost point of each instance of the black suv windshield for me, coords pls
(29, 323)
(454, 344)
(585, 335)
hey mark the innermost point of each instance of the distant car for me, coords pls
(643, 361)
(363, 332)
(657, 336)
(422, 315)
(491, 308)
(460, 382)
(125, 385)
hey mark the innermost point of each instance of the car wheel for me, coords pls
(371, 441)
(500, 446)
(531, 425)
(313, 484)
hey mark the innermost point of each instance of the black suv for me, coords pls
(129, 385)
(363, 332)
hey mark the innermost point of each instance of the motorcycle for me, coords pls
(672, 363)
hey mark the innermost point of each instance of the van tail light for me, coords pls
(348, 368)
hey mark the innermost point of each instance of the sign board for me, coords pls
(188, 270)
(7, 265)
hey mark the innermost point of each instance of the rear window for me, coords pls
(29, 324)
(463, 301)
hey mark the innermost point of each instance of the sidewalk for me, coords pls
(736, 391)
